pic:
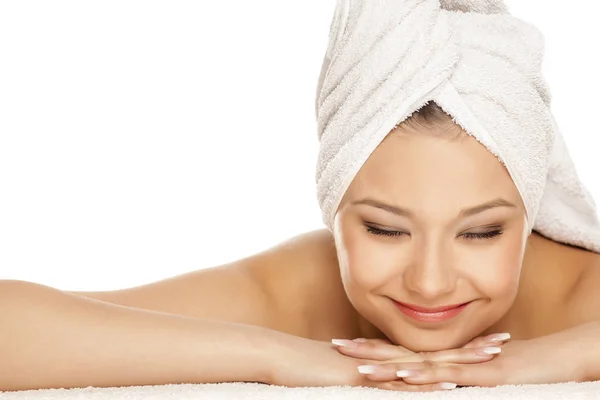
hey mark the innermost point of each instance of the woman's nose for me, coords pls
(430, 275)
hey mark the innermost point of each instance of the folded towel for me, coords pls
(387, 58)
(250, 391)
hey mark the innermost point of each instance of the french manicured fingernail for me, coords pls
(366, 369)
(489, 350)
(447, 385)
(405, 373)
(360, 340)
(499, 337)
(344, 342)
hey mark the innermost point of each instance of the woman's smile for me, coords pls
(431, 314)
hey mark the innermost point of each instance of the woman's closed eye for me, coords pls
(483, 235)
(468, 235)
(384, 232)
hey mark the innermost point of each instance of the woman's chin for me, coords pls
(429, 340)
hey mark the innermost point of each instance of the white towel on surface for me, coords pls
(387, 58)
(250, 391)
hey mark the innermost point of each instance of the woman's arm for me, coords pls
(231, 292)
(53, 339)
(253, 290)
(584, 312)
(587, 337)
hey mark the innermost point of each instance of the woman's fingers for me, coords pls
(379, 372)
(469, 355)
(388, 371)
(402, 386)
(430, 373)
(489, 340)
(461, 374)
(372, 349)
(386, 376)
(381, 341)
(381, 351)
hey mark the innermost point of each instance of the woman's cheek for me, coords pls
(368, 266)
(496, 273)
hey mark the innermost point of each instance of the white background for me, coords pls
(144, 139)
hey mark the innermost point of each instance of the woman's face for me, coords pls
(431, 222)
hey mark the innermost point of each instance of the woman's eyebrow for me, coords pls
(499, 202)
(465, 212)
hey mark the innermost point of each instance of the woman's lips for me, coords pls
(431, 314)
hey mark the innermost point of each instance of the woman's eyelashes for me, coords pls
(383, 232)
(490, 234)
(483, 235)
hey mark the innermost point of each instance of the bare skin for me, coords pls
(419, 224)
(295, 287)
(314, 285)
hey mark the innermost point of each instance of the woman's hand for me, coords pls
(477, 350)
(548, 359)
(298, 361)
(385, 354)
(304, 362)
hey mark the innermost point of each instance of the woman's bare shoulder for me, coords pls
(308, 256)
(584, 304)
(303, 279)
(249, 290)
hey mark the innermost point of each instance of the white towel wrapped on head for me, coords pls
(387, 58)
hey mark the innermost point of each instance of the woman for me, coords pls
(429, 262)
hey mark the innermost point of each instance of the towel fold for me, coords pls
(387, 58)
(256, 391)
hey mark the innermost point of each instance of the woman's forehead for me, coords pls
(414, 164)
(414, 150)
